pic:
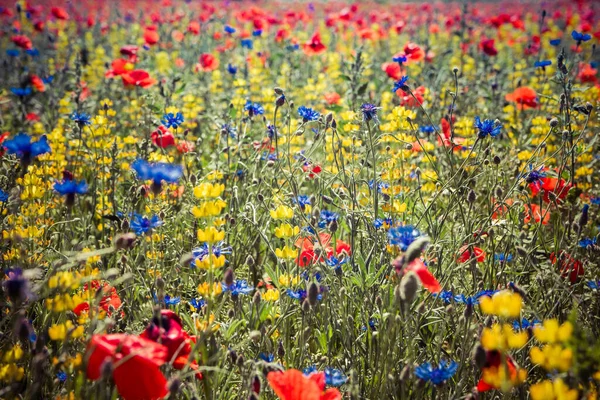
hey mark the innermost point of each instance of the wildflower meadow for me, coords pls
(299, 200)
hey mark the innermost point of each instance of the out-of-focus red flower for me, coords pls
(493, 363)
(314, 46)
(294, 385)
(185, 146)
(407, 100)
(546, 185)
(169, 331)
(162, 137)
(151, 36)
(570, 268)
(38, 25)
(525, 97)
(194, 28)
(37, 83)
(392, 69)
(3, 137)
(413, 52)
(312, 169)
(136, 365)
(59, 13)
(207, 62)
(138, 77)
(427, 279)
(281, 35)
(117, 68)
(537, 213)
(109, 302)
(308, 249)
(466, 253)
(487, 46)
(130, 50)
(22, 41)
(31, 117)
(587, 73)
(332, 98)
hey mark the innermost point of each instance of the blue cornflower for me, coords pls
(310, 370)
(293, 47)
(446, 296)
(198, 304)
(400, 84)
(21, 92)
(229, 29)
(462, 299)
(587, 242)
(399, 59)
(254, 108)
(380, 185)
(439, 375)
(157, 172)
(142, 225)
(257, 33)
(369, 111)
(378, 223)
(580, 36)
(427, 128)
(217, 249)
(82, 119)
(302, 200)
(61, 376)
(334, 377)
(33, 52)
(238, 287)
(22, 146)
(535, 175)
(12, 52)
(403, 236)
(48, 79)
(593, 284)
(70, 187)
(554, 42)
(171, 120)
(266, 357)
(485, 293)
(336, 263)
(525, 324)
(3, 196)
(308, 114)
(487, 127)
(227, 129)
(248, 44)
(172, 301)
(542, 63)
(326, 217)
(232, 69)
(300, 294)
(502, 257)
(595, 201)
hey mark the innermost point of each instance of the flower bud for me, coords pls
(312, 294)
(479, 356)
(228, 277)
(305, 306)
(125, 241)
(409, 285)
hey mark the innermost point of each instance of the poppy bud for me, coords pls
(313, 293)
(256, 384)
(305, 306)
(468, 313)
(228, 277)
(253, 396)
(499, 192)
(240, 361)
(334, 124)
(256, 298)
(174, 386)
(553, 123)
(479, 356)
(327, 199)
(260, 197)
(333, 226)
(160, 283)
(472, 196)
(378, 301)
(107, 369)
(278, 91)
(397, 296)
(409, 285)
(233, 356)
(280, 350)
(249, 261)
(125, 241)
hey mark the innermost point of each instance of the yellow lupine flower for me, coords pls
(502, 337)
(552, 357)
(289, 280)
(551, 332)
(549, 390)
(13, 354)
(59, 331)
(11, 373)
(271, 295)
(286, 231)
(210, 235)
(206, 290)
(208, 190)
(211, 262)
(286, 253)
(505, 304)
(282, 212)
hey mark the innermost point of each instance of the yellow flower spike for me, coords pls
(13, 354)
(286, 253)
(210, 235)
(271, 295)
(548, 390)
(59, 332)
(210, 291)
(552, 332)
(282, 212)
(288, 280)
(285, 230)
(208, 190)
(11, 373)
(505, 304)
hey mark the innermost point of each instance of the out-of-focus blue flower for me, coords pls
(232, 69)
(300, 294)
(535, 175)
(554, 42)
(227, 129)
(399, 59)
(380, 185)
(326, 217)
(593, 284)
(198, 304)
(81, 119)
(462, 299)
(48, 79)
(334, 377)
(33, 52)
(542, 63)
(369, 111)
(335, 262)
(487, 127)
(308, 114)
(378, 223)
(446, 296)
(12, 52)
(266, 357)
(171, 120)
(502, 257)
(21, 92)
(400, 84)
(16, 285)
(580, 36)
(142, 225)
(171, 301)
(61, 376)
(427, 128)
(403, 236)
(3, 196)
(70, 187)
(525, 324)
(437, 376)
(22, 146)
(247, 44)
(229, 29)
(254, 108)
(486, 293)
(157, 172)
(587, 242)
(238, 287)
(257, 33)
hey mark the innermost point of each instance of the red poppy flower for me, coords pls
(31, 117)
(138, 77)
(208, 62)
(407, 100)
(281, 35)
(162, 137)
(38, 25)
(311, 250)
(38, 83)
(487, 46)
(466, 253)
(22, 41)
(547, 185)
(194, 28)
(151, 36)
(569, 267)
(185, 146)
(3, 137)
(136, 365)
(413, 52)
(314, 46)
(332, 98)
(538, 214)
(392, 70)
(130, 50)
(525, 97)
(117, 68)
(313, 170)
(294, 385)
(494, 360)
(109, 302)
(587, 73)
(427, 279)
(59, 13)
(169, 331)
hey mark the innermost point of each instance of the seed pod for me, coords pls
(496, 160)
(174, 386)
(472, 196)
(228, 277)
(409, 285)
(312, 294)
(280, 350)
(256, 298)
